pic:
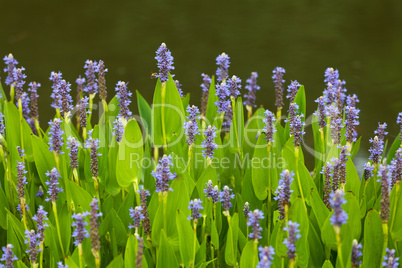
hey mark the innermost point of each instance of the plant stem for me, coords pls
(56, 218)
(190, 156)
(279, 115)
(163, 118)
(21, 124)
(339, 245)
(385, 233)
(195, 241)
(298, 177)
(269, 195)
(164, 204)
(80, 255)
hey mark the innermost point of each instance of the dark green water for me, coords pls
(363, 39)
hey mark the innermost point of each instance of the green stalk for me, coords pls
(397, 187)
(203, 228)
(164, 200)
(255, 252)
(190, 156)
(279, 115)
(24, 217)
(235, 127)
(21, 123)
(97, 259)
(41, 254)
(96, 186)
(136, 189)
(12, 92)
(249, 111)
(269, 196)
(56, 218)
(298, 177)
(80, 255)
(291, 263)
(38, 128)
(91, 100)
(339, 245)
(163, 118)
(385, 234)
(195, 241)
(75, 175)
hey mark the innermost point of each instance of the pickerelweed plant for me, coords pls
(222, 185)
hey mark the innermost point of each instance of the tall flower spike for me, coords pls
(191, 126)
(94, 215)
(293, 88)
(80, 231)
(118, 129)
(398, 168)
(340, 216)
(368, 170)
(380, 131)
(123, 96)
(163, 175)
(21, 179)
(320, 113)
(352, 120)
(254, 222)
(56, 136)
(234, 86)
(385, 189)
(33, 89)
(25, 106)
(336, 123)
(56, 78)
(246, 210)
(31, 239)
(376, 150)
(2, 126)
(399, 121)
(165, 62)
(211, 192)
(293, 235)
(178, 86)
(222, 93)
(73, 144)
(82, 111)
(225, 197)
(91, 68)
(336, 173)
(283, 191)
(209, 144)
(356, 253)
(390, 260)
(327, 171)
(80, 86)
(41, 218)
(252, 88)
(66, 99)
(223, 62)
(206, 83)
(145, 222)
(10, 62)
(298, 131)
(93, 145)
(351, 100)
(136, 216)
(8, 256)
(53, 185)
(19, 81)
(40, 192)
(195, 206)
(140, 253)
(101, 80)
(278, 81)
(293, 110)
(266, 256)
(331, 75)
(228, 119)
(270, 125)
(343, 158)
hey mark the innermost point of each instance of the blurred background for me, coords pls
(363, 39)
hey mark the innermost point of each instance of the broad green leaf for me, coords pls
(395, 218)
(211, 107)
(117, 262)
(186, 239)
(261, 172)
(231, 242)
(130, 252)
(298, 214)
(320, 210)
(44, 159)
(373, 240)
(113, 221)
(352, 178)
(166, 255)
(327, 264)
(249, 256)
(145, 112)
(236, 134)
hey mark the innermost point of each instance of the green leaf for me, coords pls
(130, 252)
(395, 218)
(128, 163)
(320, 210)
(186, 239)
(236, 134)
(260, 173)
(373, 240)
(117, 262)
(249, 256)
(44, 159)
(113, 221)
(79, 196)
(327, 264)
(231, 242)
(211, 107)
(166, 255)
(3, 211)
(298, 214)
(145, 112)
(352, 178)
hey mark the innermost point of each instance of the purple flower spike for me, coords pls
(222, 92)
(163, 175)
(246, 210)
(53, 185)
(118, 129)
(352, 120)
(368, 171)
(32, 241)
(33, 89)
(178, 86)
(293, 88)
(137, 216)
(123, 96)
(56, 78)
(336, 123)
(211, 192)
(266, 256)
(270, 125)
(19, 81)
(93, 145)
(206, 83)
(2, 126)
(195, 207)
(254, 218)
(327, 171)
(298, 131)
(376, 150)
(82, 111)
(8, 256)
(94, 215)
(320, 113)
(356, 253)
(234, 86)
(293, 110)
(73, 144)
(191, 126)
(351, 100)
(25, 105)
(283, 191)
(10, 62)
(380, 131)
(60, 265)
(165, 62)
(331, 75)
(91, 68)
(293, 235)
(145, 222)
(390, 260)
(343, 158)
(80, 231)
(40, 192)
(101, 80)
(21, 179)
(225, 197)
(56, 136)
(278, 81)
(252, 88)
(339, 217)
(223, 62)
(209, 144)
(80, 85)
(66, 100)
(40, 218)
(385, 190)
(399, 121)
